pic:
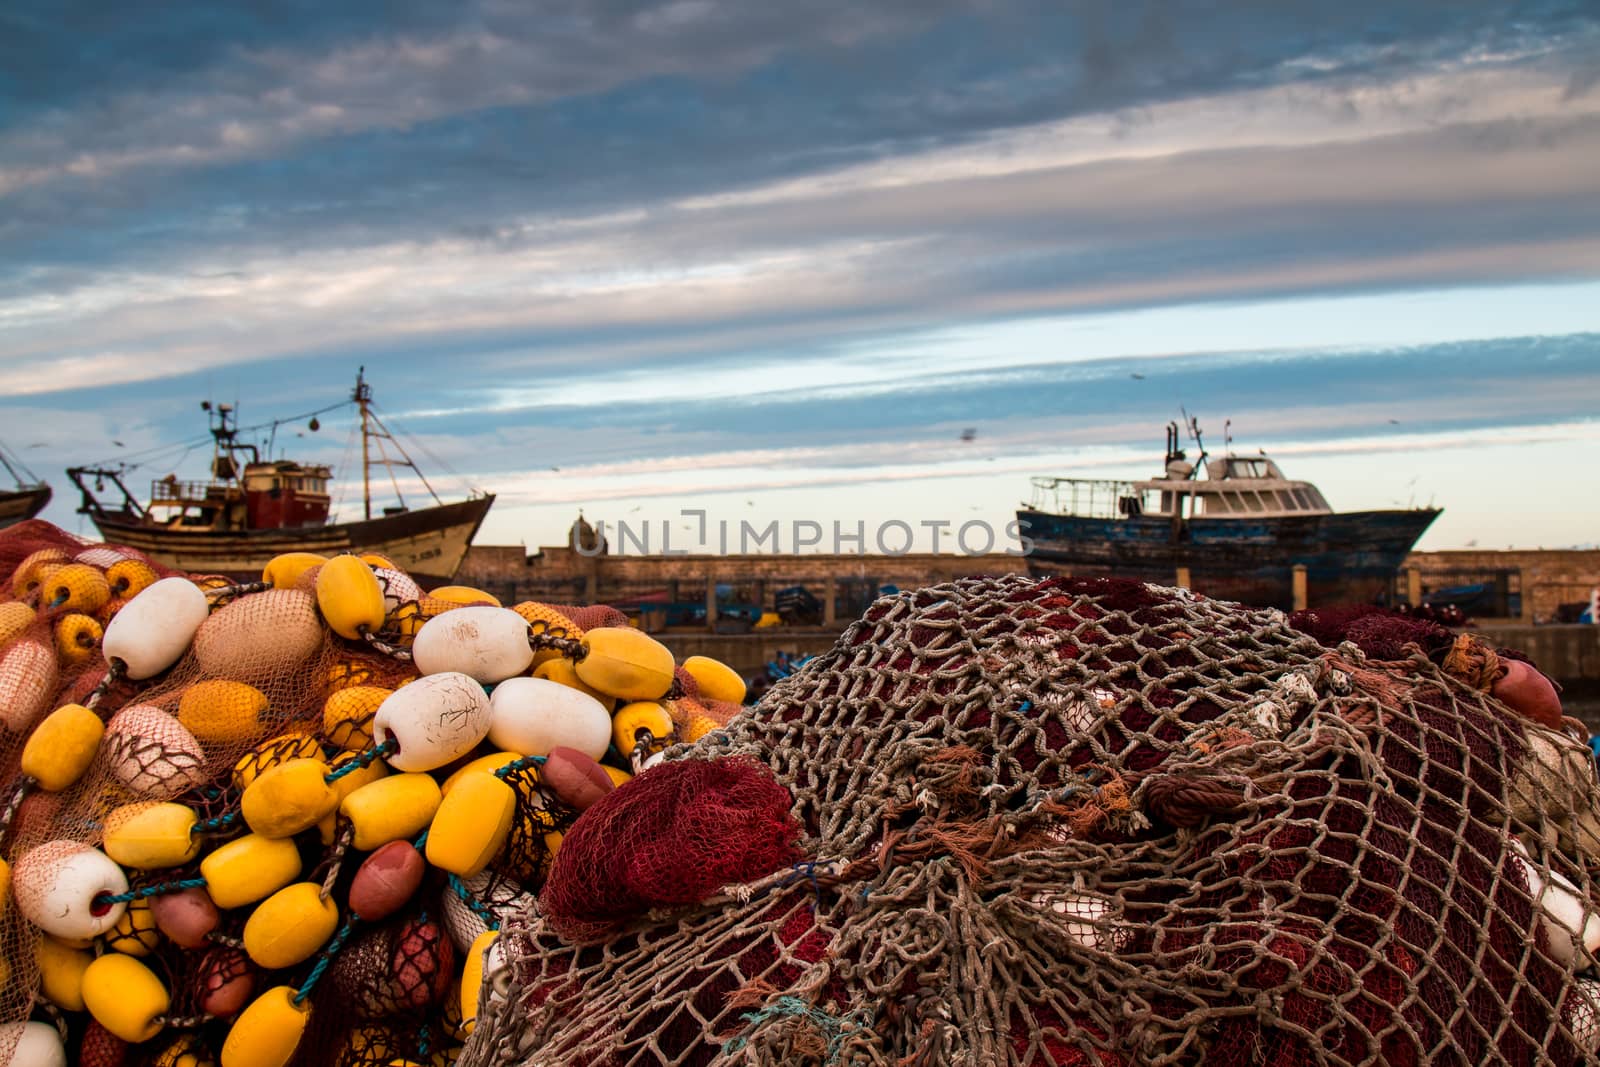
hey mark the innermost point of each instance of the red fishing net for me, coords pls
(1091, 822)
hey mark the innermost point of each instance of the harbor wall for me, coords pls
(1540, 586)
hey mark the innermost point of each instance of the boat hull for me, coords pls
(430, 543)
(1350, 557)
(20, 504)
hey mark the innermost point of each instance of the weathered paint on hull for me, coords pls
(427, 544)
(22, 504)
(1350, 557)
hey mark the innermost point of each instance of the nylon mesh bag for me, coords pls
(1092, 822)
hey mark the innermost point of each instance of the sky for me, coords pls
(815, 261)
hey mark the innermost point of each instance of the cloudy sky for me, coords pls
(771, 260)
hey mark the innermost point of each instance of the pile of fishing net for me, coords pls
(232, 813)
(1085, 822)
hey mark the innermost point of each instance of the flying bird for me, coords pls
(1394, 422)
(969, 434)
(119, 444)
(1136, 376)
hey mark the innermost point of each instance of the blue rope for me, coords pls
(516, 765)
(207, 826)
(422, 1042)
(324, 957)
(366, 759)
(150, 891)
(479, 908)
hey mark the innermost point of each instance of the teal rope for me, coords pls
(324, 958)
(366, 759)
(150, 891)
(479, 908)
(516, 765)
(835, 1028)
(211, 825)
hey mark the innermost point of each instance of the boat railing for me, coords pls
(171, 492)
(1091, 498)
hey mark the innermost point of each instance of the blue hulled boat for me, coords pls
(1235, 523)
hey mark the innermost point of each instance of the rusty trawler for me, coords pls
(252, 509)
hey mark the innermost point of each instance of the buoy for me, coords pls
(294, 743)
(77, 639)
(471, 825)
(125, 997)
(28, 678)
(289, 926)
(350, 597)
(135, 933)
(151, 835)
(390, 809)
(152, 754)
(289, 797)
(485, 961)
(575, 777)
(249, 869)
(1566, 919)
(186, 917)
(155, 628)
(482, 765)
(715, 679)
(268, 1031)
(61, 970)
(33, 1044)
(221, 710)
(62, 747)
(347, 716)
(465, 594)
(15, 617)
(284, 570)
(129, 577)
(561, 671)
(534, 715)
(398, 588)
(489, 644)
(386, 880)
(626, 663)
(259, 637)
(225, 981)
(59, 887)
(435, 719)
(633, 721)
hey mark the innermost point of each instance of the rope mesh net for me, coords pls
(1092, 822)
(264, 681)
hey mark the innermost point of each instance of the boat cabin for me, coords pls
(1243, 487)
(275, 495)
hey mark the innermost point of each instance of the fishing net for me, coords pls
(264, 681)
(1088, 822)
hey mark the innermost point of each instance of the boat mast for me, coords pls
(362, 396)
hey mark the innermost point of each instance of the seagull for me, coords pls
(1137, 377)
(1394, 422)
(969, 434)
(119, 444)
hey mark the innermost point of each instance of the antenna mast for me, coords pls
(363, 398)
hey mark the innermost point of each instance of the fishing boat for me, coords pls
(1233, 528)
(27, 499)
(253, 508)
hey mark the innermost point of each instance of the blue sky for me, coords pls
(772, 260)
